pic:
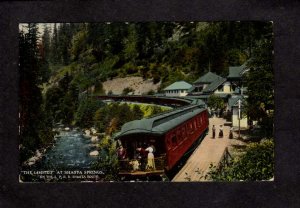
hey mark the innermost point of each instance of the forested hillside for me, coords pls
(164, 51)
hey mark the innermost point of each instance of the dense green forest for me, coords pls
(61, 65)
(164, 51)
(77, 57)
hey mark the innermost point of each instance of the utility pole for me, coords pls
(239, 118)
(242, 90)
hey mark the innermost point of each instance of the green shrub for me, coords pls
(257, 163)
(86, 111)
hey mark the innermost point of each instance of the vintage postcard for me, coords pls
(151, 101)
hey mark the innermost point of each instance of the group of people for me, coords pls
(221, 132)
(144, 157)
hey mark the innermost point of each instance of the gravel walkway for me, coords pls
(210, 151)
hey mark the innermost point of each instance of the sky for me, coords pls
(41, 26)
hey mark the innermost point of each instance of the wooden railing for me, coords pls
(135, 165)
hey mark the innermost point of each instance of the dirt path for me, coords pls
(209, 151)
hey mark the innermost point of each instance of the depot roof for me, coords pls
(209, 77)
(180, 85)
(214, 85)
(234, 101)
(237, 71)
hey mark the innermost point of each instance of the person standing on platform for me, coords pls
(213, 131)
(151, 162)
(121, 153)
(142, 157)
(221, 132)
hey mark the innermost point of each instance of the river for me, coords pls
(67, 160)
(70, 151)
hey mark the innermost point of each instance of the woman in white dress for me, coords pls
(150, 163)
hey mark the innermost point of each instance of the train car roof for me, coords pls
(161, 123)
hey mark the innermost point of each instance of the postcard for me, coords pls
(146, 101)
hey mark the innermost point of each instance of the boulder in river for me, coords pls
(94, 138)
(87, 132)
(31, 163)
(94, 153)
(38, 154)
(32, 159)
(93, 130)
(67, 129)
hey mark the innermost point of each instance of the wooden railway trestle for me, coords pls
(170, 101)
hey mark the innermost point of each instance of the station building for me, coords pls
(177, 89)
(229, 88)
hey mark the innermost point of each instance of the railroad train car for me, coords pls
(171, 134)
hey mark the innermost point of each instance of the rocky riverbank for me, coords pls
(95, 137)
(61, 131)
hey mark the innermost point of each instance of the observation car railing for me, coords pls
(133, 165)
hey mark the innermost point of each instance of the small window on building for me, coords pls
(199, 89)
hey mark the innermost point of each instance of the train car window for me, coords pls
(183, 133)
(169, 142)
(198, 122)
(179, 136)
(190, 128)
(174, 140)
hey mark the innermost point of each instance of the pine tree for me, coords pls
(260, 86)
(44, 52)
(35, 128)
(54, 56)
(130, 49)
